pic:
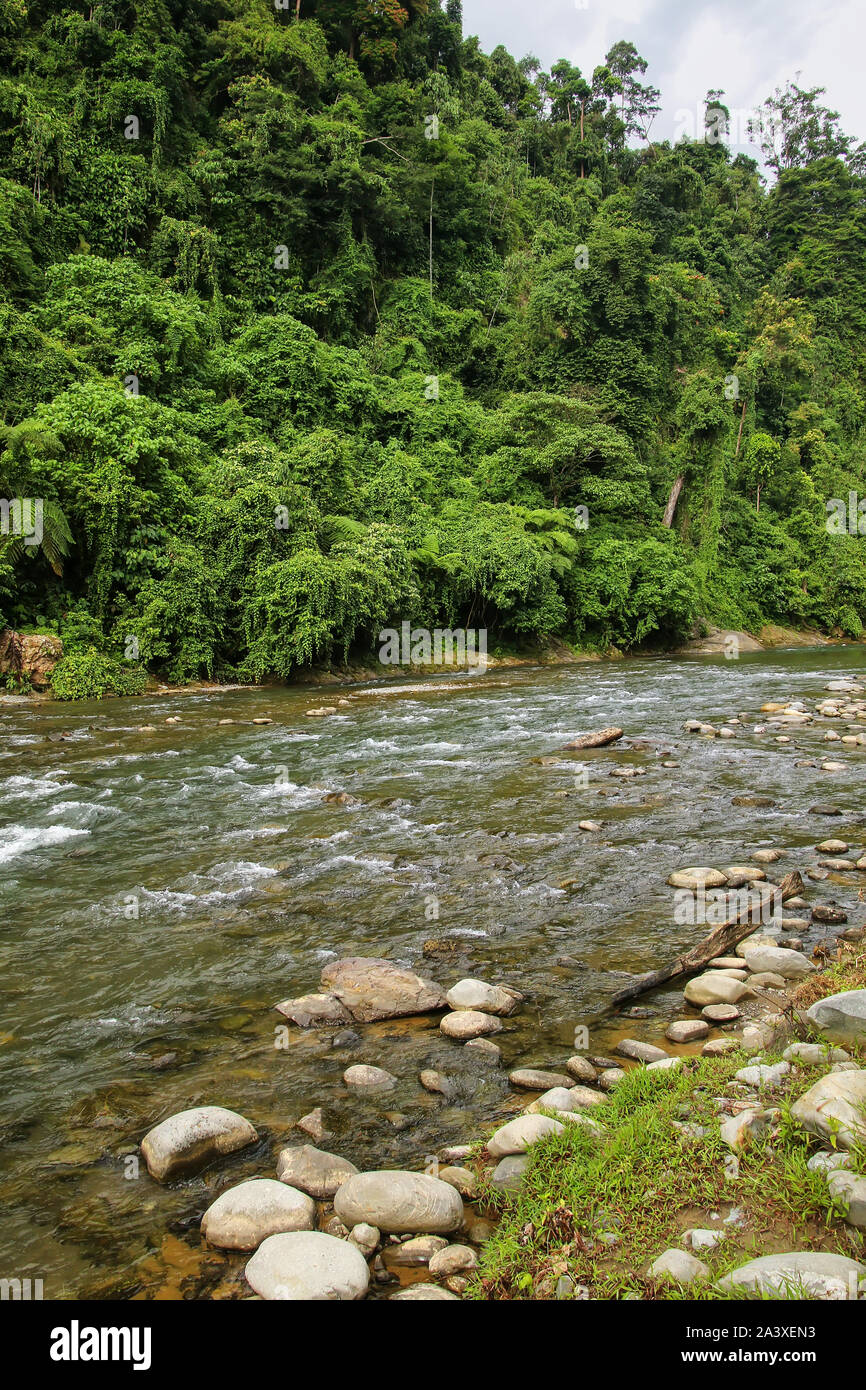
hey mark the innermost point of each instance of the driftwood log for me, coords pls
(719, 942)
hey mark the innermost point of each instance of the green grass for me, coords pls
(646, 1183)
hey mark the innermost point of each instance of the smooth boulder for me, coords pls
(469, 1024)
(714, 988)
(371, 988)
(791, 965)
(245, 1215)
(841, 1017)
(399, 1202)
(519, 1135)
(835, 1105)
(308, 1266)
(799, 1274)
(188, 1140)
(486, 999)
(314, 1171)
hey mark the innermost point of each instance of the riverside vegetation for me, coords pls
(319, 319)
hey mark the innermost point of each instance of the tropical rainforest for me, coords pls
(316, 318)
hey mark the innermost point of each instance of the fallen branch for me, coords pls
(719, 943)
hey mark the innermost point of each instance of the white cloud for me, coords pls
(746, 47)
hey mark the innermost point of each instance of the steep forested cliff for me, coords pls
(317, 318)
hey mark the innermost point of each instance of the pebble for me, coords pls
(361, 1075)
(530, 1079)
(686, 1030)
(469, 1023)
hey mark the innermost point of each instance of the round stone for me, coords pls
(469, 1023)
(245, 1215)
(307, 1266)
(398, 1202)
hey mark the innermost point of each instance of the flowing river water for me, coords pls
(161, 891)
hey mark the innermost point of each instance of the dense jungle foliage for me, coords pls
(317, 318)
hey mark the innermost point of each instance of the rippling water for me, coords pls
(161, 891)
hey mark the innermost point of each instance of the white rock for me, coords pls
(680, 1266)
(789, 964)
(824, 1162)
(835, 1106)
(748, 1124)
(557, 1098)
(399, 1201)
(487, 999)
(841, 1017)
(799, 1274)
(714, 988)
(763, 1075)
(814, 1054)
(849, 1191)
(518, 1135)
(245, 1215)
(702, 1239)
(188, 1140)
(308, 1266)
(469, 1023)
(365, 1237)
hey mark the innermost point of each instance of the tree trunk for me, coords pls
(430, 248)
(740, 431)
(673, 499)
(719, 943)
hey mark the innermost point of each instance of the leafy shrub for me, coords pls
(90, 675)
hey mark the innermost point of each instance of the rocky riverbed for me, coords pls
(261, 858)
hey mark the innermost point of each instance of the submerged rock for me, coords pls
(599, 739)
(361, 1076)
(314, 1011)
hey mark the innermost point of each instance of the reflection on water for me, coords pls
(161, 891)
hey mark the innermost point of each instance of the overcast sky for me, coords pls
(747, 47)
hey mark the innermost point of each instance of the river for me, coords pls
(161, 891)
